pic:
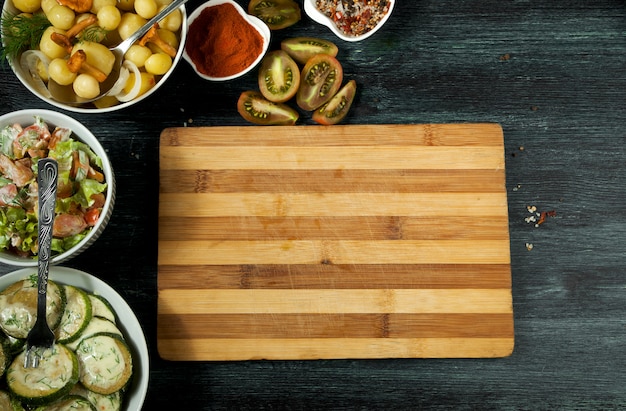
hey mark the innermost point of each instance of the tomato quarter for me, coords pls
(337, 107)
(301, 49)
(277, 14)
(320, 79)
(279, 76)
(255, 108)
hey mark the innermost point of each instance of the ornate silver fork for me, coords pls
(41, 336)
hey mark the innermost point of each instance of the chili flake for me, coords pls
(354, 17)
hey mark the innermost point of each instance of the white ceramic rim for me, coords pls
(24, 77)
(319, 17)
(27, 117)
(256, 22)
(127, 321)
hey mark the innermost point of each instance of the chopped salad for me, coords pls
(81, 187)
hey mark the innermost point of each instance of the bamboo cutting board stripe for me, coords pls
(374, 325)
(336, 181)
(333, 242)
(367, 348)
(335, 251)
(335, 276)
(332, 204)
(335, 301)
(334, 228)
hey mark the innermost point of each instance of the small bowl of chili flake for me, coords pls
(350, 20)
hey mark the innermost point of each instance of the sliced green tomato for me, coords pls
(76, 316)
(279, 76)
(336, 109)
(320, 79)
(55, 376)
(301, 49)
(255, 108)
(18, 306)
(277, 14)
(106, 363)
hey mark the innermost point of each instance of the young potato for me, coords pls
(98, 55)
(61, 17)
(129, 24)
(49, 47)
(172, 21)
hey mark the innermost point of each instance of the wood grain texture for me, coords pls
(333, 242)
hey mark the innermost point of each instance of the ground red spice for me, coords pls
(221, 42)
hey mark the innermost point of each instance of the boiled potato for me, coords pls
(49, 47)
(129, 24)
(98, 55)
(59, 72)
(109, 17)
(167, 36)
(138, 54)
(96, 5)
(158, 63)
(27, 6)
(146, 8)
(61, 17)
(172, 21)
(86, 86)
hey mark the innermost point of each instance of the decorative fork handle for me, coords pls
(47, 176)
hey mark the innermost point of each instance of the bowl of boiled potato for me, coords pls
(42, 38)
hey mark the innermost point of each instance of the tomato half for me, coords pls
(277, 14)
(255, 108)
(301, 49)
(320, 79)
(337, 107)
(279, 76)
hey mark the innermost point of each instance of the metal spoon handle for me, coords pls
(47, 176)
(130, 40)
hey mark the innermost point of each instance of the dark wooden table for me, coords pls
(553, 74)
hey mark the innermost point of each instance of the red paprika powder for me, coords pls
(221, 42)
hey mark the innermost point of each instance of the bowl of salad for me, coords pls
(99, 357)
(85, 187)
(41, 37)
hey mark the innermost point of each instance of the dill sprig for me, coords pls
(93, 33)
(21, 32)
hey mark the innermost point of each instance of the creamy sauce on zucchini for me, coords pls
(102, 362)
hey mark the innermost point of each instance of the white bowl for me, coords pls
(321, 18)
(255, 22)
(126, 321)
(80, 132)
(28, 82)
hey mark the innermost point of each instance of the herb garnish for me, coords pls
(21, 32)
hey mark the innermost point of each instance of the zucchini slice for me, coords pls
(102, 402)
(95, 326)
(9, 403)
(101, 307)
(106, 363)
(69, 403)
(18, 306)
(76, 315)
(55, 376)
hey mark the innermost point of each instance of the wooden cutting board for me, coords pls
(311, 242)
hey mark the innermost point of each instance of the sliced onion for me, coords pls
(120, 83)
(28, 64)
(134, 92)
